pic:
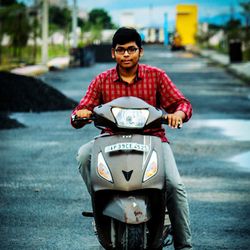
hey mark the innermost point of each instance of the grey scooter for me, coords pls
(128, 188)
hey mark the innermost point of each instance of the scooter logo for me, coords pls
(127, 175)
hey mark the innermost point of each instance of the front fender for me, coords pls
(131, 210)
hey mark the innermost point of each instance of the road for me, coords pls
(42, 194)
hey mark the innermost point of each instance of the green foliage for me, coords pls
(100, 18)
(57, 51)
(7, 2)
(9, 61)
(59, 18)
(232, 29)
(245, 5)
(20, 23)
(14, 22)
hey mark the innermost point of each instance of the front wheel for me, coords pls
(131, 237)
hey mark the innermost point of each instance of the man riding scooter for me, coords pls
(129, 78)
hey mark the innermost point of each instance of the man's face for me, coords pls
(127, 55)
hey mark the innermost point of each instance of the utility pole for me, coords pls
(45, 21)
(74, 24)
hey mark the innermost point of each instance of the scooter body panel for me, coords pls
(128, 209)
(127, 157)
(128, 198)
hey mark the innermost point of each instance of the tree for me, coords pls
(246, 12)
(232, 29)
(7, 2)
(19, 28)
(60, 19)
(5, 6)
(35, 29)
(14, 23)
(101, 18)
(98, 19)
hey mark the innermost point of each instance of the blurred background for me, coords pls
(35, 31)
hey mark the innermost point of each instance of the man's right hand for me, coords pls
(83, 113)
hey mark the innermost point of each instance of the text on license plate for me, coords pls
(127, 146)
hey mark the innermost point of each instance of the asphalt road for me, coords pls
(42, 194)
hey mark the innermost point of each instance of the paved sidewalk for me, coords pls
(242, 69)
(34, 70)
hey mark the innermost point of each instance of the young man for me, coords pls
(129, 78)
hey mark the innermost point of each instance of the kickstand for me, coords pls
(87, 214)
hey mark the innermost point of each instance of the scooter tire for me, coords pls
(131, 238)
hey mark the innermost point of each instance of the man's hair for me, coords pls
(125, 35)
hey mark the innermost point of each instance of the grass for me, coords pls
(27, 56)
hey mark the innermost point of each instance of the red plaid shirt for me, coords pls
(151, 85)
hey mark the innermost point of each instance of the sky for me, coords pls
(151, 12)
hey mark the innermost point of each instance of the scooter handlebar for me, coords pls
(75, 118)
(164, 120)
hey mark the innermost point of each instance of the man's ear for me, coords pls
(113, 53)
(141, 52)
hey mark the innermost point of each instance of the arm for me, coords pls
(91, 99)
(179, 109)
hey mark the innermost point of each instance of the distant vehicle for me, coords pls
(177, 43)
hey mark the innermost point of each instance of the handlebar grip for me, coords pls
(75, 118)
(164, 120)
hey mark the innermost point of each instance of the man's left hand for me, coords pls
(175, 120)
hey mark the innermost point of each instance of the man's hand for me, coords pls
(83, 113)
(175, 120)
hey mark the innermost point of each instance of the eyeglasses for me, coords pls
(130, 50)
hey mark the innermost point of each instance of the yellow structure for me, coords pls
(187, 23)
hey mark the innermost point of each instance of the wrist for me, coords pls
(181, 114)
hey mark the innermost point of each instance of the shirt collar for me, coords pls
(139, 74)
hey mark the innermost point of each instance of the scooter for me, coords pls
(128, 189)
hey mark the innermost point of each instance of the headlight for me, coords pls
(130, 118)
(151, 168)
(102, 168)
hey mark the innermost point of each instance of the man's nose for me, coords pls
(126, 52)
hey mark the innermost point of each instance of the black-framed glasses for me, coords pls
(130, 50)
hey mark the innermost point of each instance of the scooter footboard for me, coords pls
(130, 210)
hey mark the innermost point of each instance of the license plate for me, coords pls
(126, 146)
